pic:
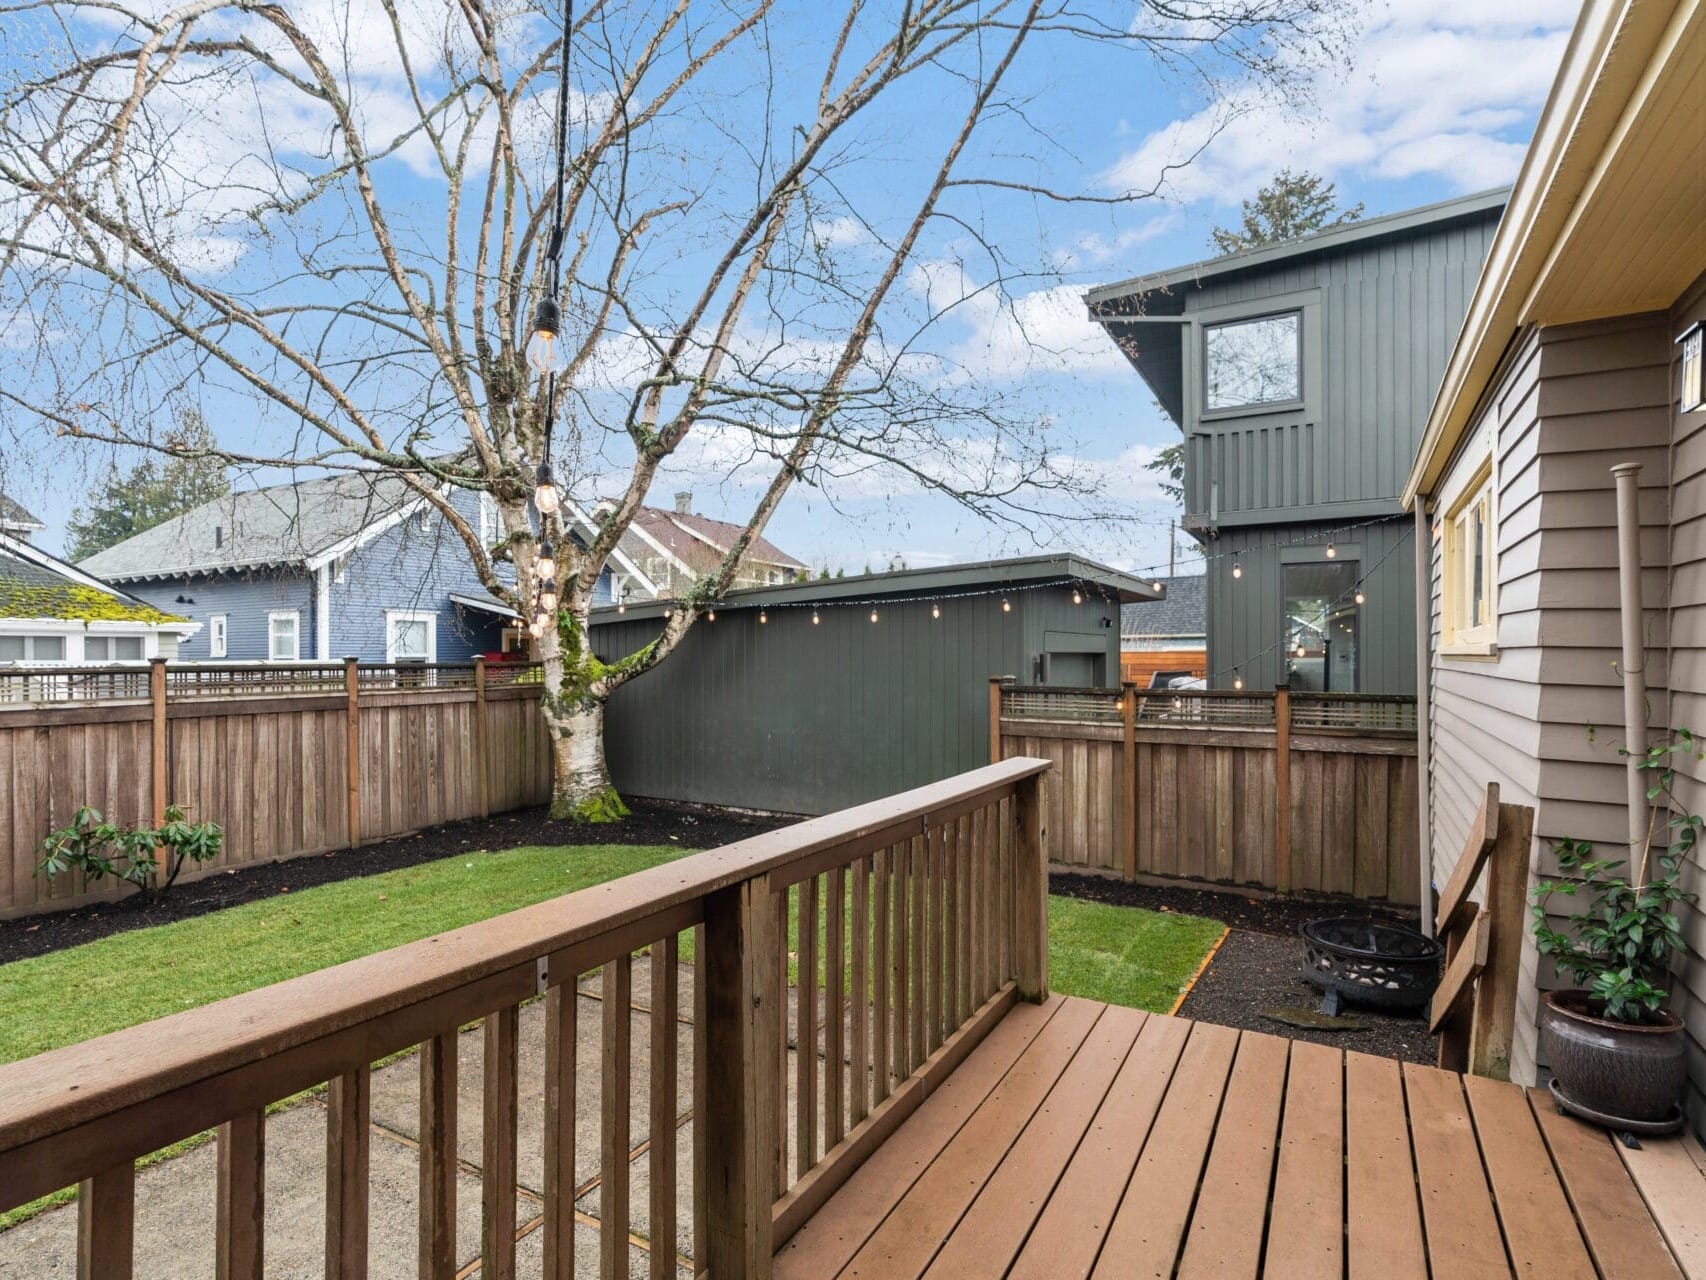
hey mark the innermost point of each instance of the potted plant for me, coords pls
(1616, 1051)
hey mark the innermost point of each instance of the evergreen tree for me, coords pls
(1292, 205)
(152, 492)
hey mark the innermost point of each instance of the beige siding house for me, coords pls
(1570, 362)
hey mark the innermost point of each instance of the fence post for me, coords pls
(482, 765)
(1030, 889)
(995, 683)
(1128, 767)
(158, 747)
(1493, 1025)
(742, 1030)
(1282, 788)
(352, 750)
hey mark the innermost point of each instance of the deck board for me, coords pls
(1080, 1140)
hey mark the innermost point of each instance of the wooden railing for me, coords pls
(1278, 789)
(1474, 1007)
(932, 907)
(131, 683)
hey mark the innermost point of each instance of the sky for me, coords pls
(1435, 98)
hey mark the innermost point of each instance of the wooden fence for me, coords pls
(289, 761)
(930, 907)
(1187, 784)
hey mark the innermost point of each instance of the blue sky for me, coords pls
(1437, 99)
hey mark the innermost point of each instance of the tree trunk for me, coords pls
(580, 780)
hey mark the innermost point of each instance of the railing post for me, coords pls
(1030, 889)
(158, 745)
(1128, 772)
(1282, 789)
(482, 766)
(352, 750)
(995, 683)
(742, 1030)
(106, 1224)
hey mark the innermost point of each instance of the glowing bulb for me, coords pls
(1237, 682)
(548, 595)
(873, 615)
(621, 606)
(545, 496)
(546, 565)
(1332, 551)
(1077, 596)
(1156, 584)
(935, 611)
(1006, 606)
(537, 628)
(668, 614)
(711, 615)
(546, 351)
(1300, 651)
(1237, 570)
(814, 617)
(763, 616)
(1361, 598)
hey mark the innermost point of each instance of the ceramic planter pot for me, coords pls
(1617, 1069)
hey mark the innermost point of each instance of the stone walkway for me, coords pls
(175, 1198)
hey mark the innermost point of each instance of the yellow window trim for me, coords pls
(1457, 634)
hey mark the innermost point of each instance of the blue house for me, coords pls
(354, 564)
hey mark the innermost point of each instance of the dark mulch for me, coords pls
(650, 823)
(1256, 967)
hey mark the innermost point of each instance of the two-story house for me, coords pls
(677, 547)
(1301, 375)
(354, 564)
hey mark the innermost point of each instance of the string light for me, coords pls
(1361, 598)
(1332, 551)
(1300, 650)
(873, 615)
(1077, 596)
(763, 616)
(548, 595)
(546, 565)
(1237, 681)
(545, 495)
(1156, 584)
(1237, 570)
(935, 611)
(711, 615)
(621, 606)
(1006, 605)
(814, 617)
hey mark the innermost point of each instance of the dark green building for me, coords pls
(812, 696)
(1301, 375)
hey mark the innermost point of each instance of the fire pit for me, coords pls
(1368, 962)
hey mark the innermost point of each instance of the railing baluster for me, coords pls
(916, 945)
(859, 997)
(935, 858)
(805, 1037)
(834, 989)
(347, 1102)
(883, 866)
(241, 1198)
(953, 936)
(900, 870)
(437, 1249)
(664, 1005)
(614, 1128)
(106, 1224)
(699, 1127)
(779, 978)
(498, 1157)
(974, 911)
(562, 1032)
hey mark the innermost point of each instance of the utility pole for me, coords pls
(1172, 545)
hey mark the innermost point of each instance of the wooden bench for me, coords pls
(1474, 1009)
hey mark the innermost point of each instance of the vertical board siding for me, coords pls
(272, 773)
(1206, 805)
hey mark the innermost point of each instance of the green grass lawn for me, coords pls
(1118, 954)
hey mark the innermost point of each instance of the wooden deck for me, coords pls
(1087, 1140)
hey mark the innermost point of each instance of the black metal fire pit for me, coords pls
(1368, 962)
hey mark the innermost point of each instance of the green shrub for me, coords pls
(99, 848)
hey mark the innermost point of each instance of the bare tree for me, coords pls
(342, 213)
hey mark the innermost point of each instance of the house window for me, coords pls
(1468, 591)
(1253, 363)
(1323, 625)
(112, 649)
(284, 628)
(1693, 369)
(32, 648)
(410, 636)
(216, 635)
(488, 521)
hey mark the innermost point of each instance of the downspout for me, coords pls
(323, 613)
(1424, 720)
(1634, 650)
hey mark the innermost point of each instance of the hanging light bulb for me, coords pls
(935, 611)
(536, 628)
(546, 351)
(814, 617)
(1077, 596)
(1332, 551)
(546, 565)
(873, 615)
(1156, 584)
(1237, 570)
(621, 606)
(763, 616)
(545, 496)
(548, 595)
(1361, 598)
(711, 615)
(1300, 650)
(1237, 681)
(1006, 605)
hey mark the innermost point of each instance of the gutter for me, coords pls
(1634, 650)
(1424, 718)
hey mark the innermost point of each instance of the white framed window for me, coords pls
(489, 523)
(32, 648)
(1693, 365)
(410, 636)
(216, 643)
(1255, 363)
(112, 648)
(1469, 591)
(284, 635)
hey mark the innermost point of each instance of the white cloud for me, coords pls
(840, 233)
(1433, 90)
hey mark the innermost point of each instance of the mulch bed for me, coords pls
(650, 823)
(1256, 967)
